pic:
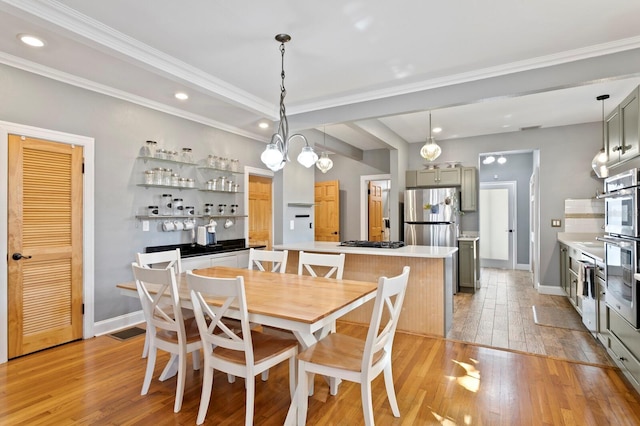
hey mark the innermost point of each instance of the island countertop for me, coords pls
(335, 247)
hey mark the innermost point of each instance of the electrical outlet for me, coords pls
(291, 224)
(145, 225)
(556, 223)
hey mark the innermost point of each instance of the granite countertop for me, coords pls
(193, 250)
(406, 251)
(585, 242)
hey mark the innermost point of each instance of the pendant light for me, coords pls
(430, 150)
(276, 154)
(324, 164)
(599, 163)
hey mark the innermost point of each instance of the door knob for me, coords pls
(18, 256)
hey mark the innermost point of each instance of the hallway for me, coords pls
(499, 315)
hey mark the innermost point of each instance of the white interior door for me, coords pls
(498, 224)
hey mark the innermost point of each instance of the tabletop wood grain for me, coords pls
(293, 297)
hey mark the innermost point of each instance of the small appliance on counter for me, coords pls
(206, 235)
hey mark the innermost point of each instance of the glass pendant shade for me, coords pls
(430, 150)
(599, 164)
(272, 157)
(325, 163)
(307, 157)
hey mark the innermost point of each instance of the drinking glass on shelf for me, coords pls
(223, 163)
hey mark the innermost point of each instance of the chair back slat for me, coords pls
(161, 259)
(335, 263)
(389, 299)
(158, 313)
(259, 258)
(214, 333)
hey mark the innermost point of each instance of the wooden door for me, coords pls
(327, 211)
(45, 226)
(260, 213)
(375, 212)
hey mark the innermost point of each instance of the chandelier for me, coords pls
(430, 150)
(276, 154)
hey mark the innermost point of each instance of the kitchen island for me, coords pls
(428, 304)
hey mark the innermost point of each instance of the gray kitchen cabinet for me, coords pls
(624, 346)
(411, 178)
(622, 129)
(574, 267)
(565, 277)
(602, 313)
(439, 177)
(469, 189)
(468, 265)
(236, 259)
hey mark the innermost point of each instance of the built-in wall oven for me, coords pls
(622, 244)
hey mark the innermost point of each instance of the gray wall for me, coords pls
(119, 129)
(565, 172)
(518, 168)
(348, 172)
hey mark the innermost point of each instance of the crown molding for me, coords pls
(150, 58)
(481, 74)
(82, 83)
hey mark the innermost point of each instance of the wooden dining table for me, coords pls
(305, 305)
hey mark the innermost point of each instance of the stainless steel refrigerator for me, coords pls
(430, 217)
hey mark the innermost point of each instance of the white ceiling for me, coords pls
(367, 72)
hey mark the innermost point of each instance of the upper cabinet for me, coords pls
(438, 177)
(622, 129)
(469, 189)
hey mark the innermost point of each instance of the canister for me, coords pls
(148, 177)
(208, 209)
(152, 211)
(178, 208)
(165, 205)
(190, 211)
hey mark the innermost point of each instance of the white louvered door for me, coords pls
(45, 228)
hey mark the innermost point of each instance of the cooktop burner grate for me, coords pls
(372, 244)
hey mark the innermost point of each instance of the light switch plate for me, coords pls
(145, 225)
(556, 223)
(291, 225)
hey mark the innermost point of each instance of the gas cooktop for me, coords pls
(373, 244)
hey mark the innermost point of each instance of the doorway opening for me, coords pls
(375, 224)
(520, 167)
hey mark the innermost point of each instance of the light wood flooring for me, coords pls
(499, 315)
(437, 381)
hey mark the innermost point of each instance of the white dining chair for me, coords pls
(168, 330)
(246, 353)
(311, 263)
(357, 360)
(308, 263)
(259, 258)
(161, 259)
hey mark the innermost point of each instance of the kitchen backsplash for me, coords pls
(584, 215)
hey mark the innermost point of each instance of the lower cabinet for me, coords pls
(468, 265)
(624, 346)
(236, 259)
(602, 311)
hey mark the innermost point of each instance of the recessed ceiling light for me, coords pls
(502, 159)
(263, 125)
(182, 96)
(437, 129)
(31, 40)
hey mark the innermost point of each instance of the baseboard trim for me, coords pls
(553, 290)
(118, 323)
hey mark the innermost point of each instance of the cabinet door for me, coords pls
(198, 262)
(469, 190)
(427, 177)
(564, 268)
(449, 177)
(411, 179)
(467, 264)
(603, 325)
(229, 260)
(630, 118)
(612, 139)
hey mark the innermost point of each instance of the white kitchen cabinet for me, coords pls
(236, 259)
